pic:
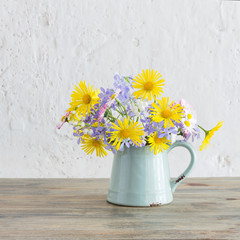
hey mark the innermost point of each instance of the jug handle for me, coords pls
(174, 183)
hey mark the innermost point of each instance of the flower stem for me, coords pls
(110, 116)
(119, 112)
(126, 78)
(202, 129)
(122, 106)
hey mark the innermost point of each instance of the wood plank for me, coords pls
(203, 208)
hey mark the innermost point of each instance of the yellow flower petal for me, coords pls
(90, 144)
(84, 98)
(163, 111)
(209, 135)
(158, 144)
(148, 85)
(128, 130)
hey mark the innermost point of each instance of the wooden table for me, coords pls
(203, 208)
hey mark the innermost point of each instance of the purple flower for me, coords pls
(123, 83)
(166, 132)
(151, 127)
(99, 130)
(111, 148)
(77, 133)
(105, 95)
(129, 111)
(148, 127)
(128, 143)
(194, 134)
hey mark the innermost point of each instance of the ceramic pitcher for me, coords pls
(140, 178)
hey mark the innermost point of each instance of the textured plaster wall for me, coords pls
(48, 46)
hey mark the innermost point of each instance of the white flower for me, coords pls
(135, 110)
(141, 104)
(85, 131)
(90, 132)
(189, 120)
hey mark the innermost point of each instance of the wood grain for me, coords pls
(203, 208)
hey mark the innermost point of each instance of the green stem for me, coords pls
(110, 116)
(138, 111)
(202, 129)
(122, 106)
(180, 132)
(119, 112)
(126, 78)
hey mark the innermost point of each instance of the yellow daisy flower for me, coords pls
(163, 111)
(158, 144)
(74, 118)
(91, 144)
(209, 134)
(124, 131)
(149, 85)
(83, 99)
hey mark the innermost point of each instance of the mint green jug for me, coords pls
(140, 178)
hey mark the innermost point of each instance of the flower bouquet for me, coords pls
(131, 113)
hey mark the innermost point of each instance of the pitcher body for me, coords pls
(141, 178)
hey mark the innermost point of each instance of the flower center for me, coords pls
(125, 133)
(157, 140)
(187, 123)
(189, 116)
(148, 86)
(113, 96)
(96, 143)
(87, 98)
(166, 113)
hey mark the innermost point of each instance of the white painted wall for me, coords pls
(48, 46)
